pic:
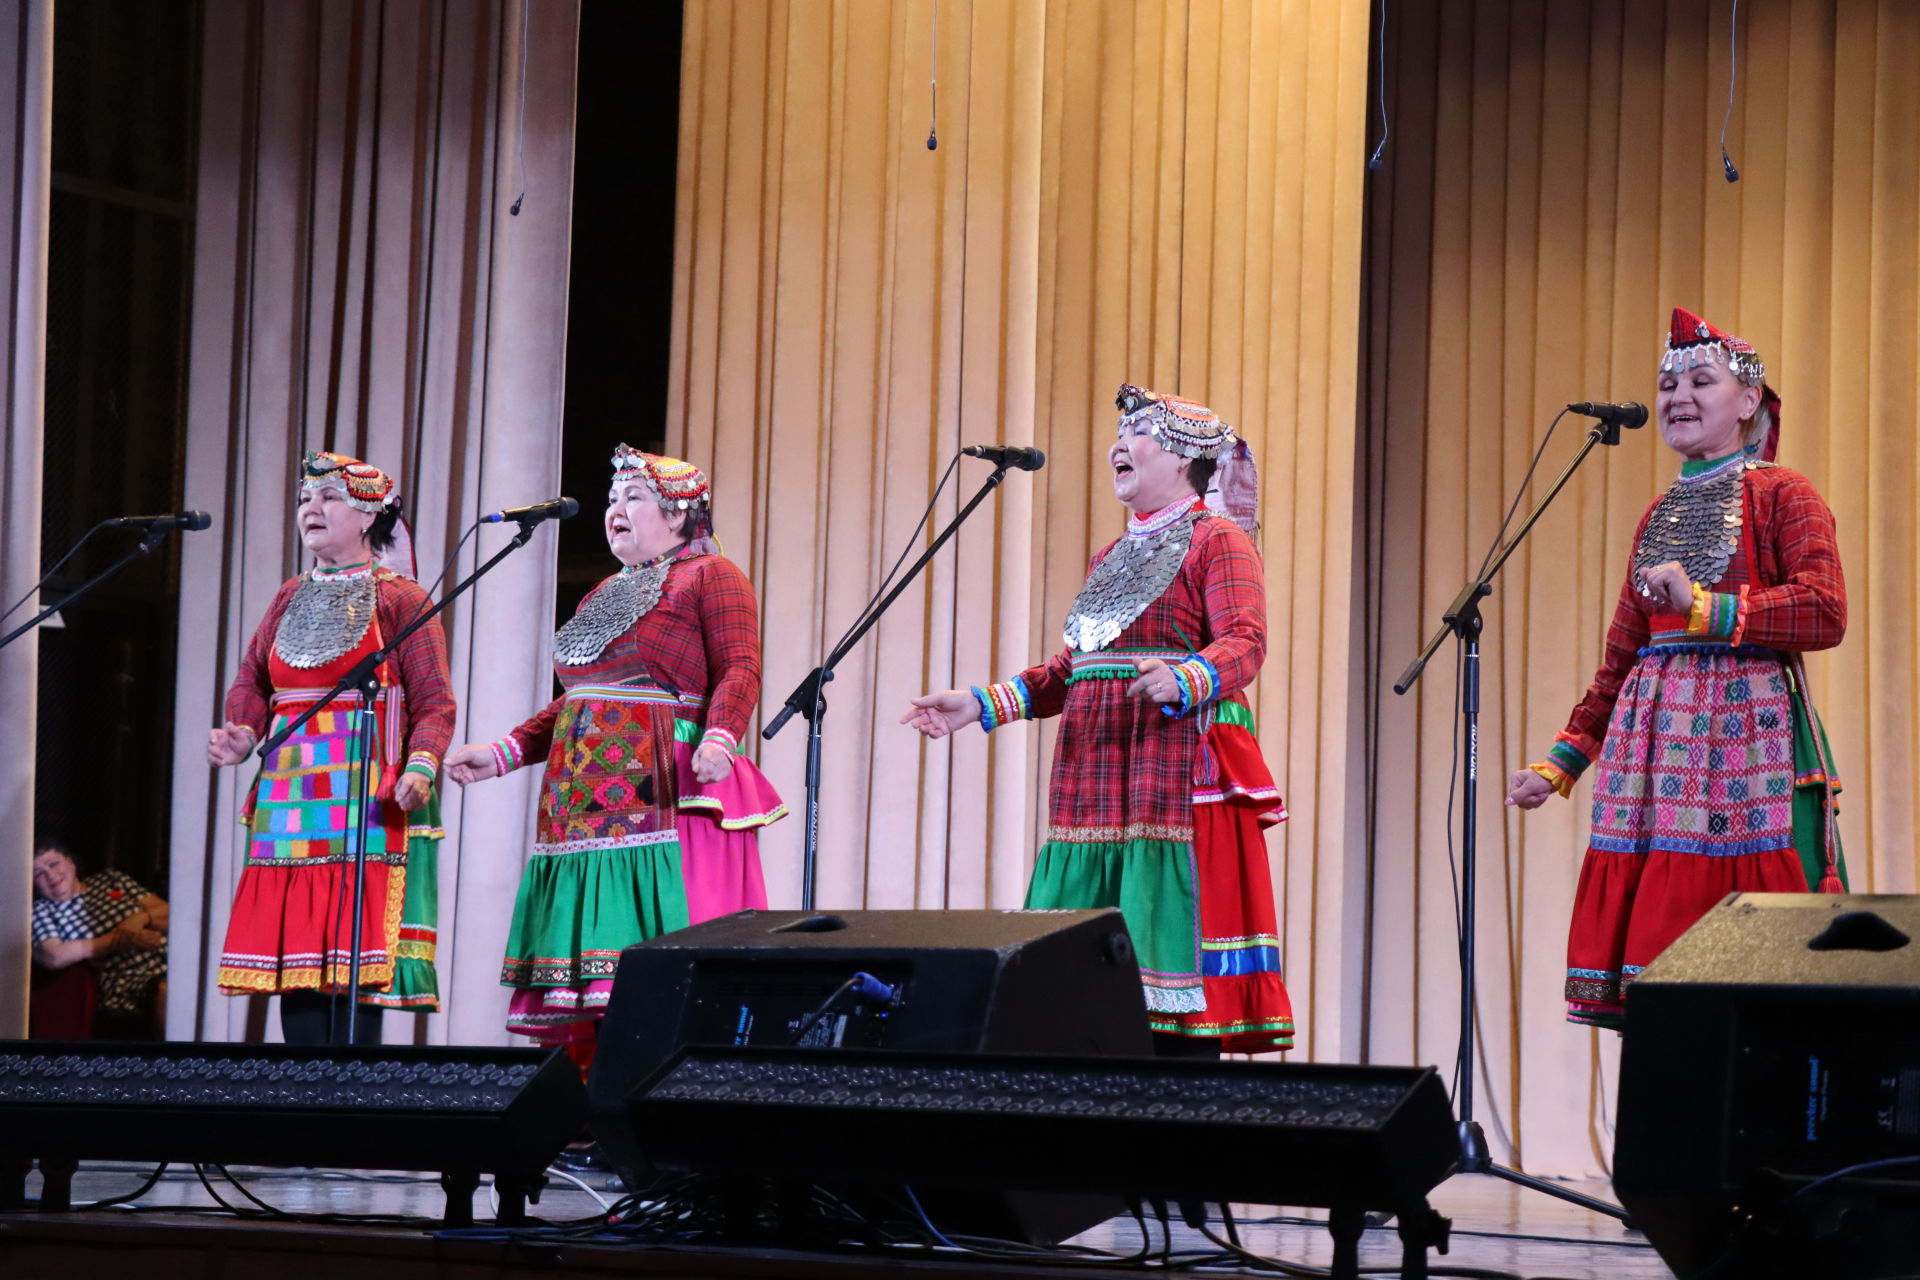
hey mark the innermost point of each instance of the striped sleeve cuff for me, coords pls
(715, 734)
(1198, 681)
(1563, 765)
(506, 756)
(424, 763)
(1003, 703)
(1718, 615)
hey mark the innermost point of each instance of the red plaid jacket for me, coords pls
(428, 711)
(702, 637)
(1122, 768)
(1796, 601)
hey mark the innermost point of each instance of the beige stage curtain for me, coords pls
(1159, 192)
(360, 285)
(1553, 188)
(26, 108)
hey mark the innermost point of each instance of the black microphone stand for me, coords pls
(809, 697)
(1462, 621)
(153, 538)
(364, 678)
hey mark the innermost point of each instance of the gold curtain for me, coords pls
(1163, 192)
(1553, 188)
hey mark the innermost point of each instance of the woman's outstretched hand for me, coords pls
(229, 744)
(472, 763)
(1527, 789)
(939, 714)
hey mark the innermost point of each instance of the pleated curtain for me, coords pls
(1554, 187)
(1164, 193)
(363, 285)
(26, 104)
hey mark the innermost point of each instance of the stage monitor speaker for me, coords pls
(1349, 1138)
(460, 1112)
(1776, 1043)
(1056, 982)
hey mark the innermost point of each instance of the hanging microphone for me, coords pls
(552, 509)
(1628, 415)
(1016, 456)
(179, 520)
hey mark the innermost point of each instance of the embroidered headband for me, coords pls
(1692, 342)
(369, 489)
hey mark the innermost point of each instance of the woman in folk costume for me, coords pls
(1159, 792)
(1712, 774)
(291, 931)
(648, 817)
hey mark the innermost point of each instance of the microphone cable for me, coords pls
(48, 575)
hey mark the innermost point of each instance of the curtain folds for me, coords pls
(26, 109)
(361, 286)
(1158, 192)
(1553, 188)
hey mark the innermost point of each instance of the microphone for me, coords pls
(1019, 457)
(552, 509)
(190, 520)
(1629, 415)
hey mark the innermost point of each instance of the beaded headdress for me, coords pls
(369, 489)
(1192, 430)
(1185, 427)
(1692, 342)
(677, 485)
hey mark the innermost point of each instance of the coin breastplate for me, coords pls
(1133, 575)
(1696, 523)
(328, 616)
(608, 614)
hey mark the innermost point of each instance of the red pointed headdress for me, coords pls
(1692, 342)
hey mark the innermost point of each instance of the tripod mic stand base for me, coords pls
(1475, 1159)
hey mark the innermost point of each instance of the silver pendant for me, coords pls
(608, 614)
(1134, 574)
(326, 618)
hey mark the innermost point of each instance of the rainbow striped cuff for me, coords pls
(424, 763)
(1199, 683)
(1003, 703)
(506, 756)
(1718, 615)
(716, 734)
(1563, 766)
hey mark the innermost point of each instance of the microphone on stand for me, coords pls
(1018, 457)
(551, 509)
(1629, 414)
(189, 520)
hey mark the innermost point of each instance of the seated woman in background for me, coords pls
(118, 929)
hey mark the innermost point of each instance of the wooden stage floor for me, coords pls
(170, 1234)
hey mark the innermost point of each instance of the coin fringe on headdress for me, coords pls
(369, 489)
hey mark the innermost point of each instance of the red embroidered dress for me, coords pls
(292, 926)
(629, 844)
(1712, 773)
(1158, 810)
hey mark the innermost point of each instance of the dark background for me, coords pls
(119, 286)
